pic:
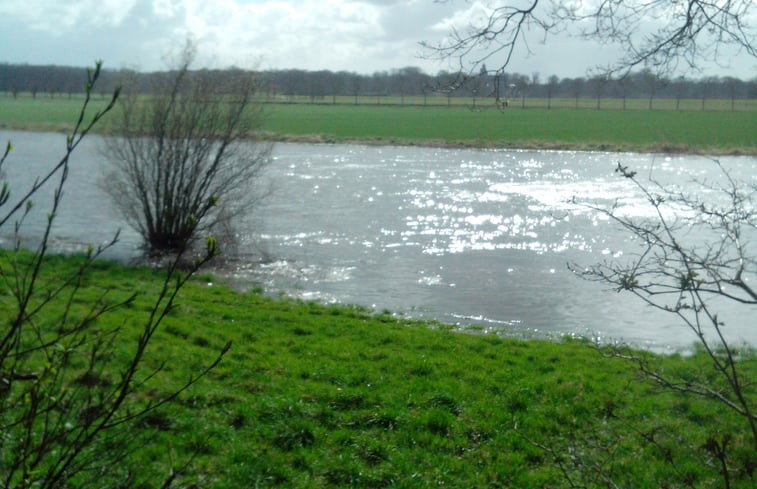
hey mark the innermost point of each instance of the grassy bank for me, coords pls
(711, 131)
(326, 396)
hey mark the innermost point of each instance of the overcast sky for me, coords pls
(363, 36)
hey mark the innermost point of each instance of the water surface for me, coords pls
(477, 237)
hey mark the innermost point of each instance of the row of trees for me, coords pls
(412, 81)
(54, 81)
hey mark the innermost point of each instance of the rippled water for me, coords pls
(464, 236)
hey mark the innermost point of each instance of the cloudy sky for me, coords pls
(355, 35)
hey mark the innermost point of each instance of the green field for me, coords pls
(711, 131)
(330, 396)
(532, 128)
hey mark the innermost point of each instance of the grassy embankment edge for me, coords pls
(326, 395)
(658, 148)
(331, 139)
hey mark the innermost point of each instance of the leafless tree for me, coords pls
(182, 161)
(552, 82)
(598, 84)
(676, 275)
(688, 32)
(694, 256)
(72, 383)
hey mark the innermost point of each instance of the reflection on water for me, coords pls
(464, 236)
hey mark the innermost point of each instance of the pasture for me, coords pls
(717, 131)
(396, 120)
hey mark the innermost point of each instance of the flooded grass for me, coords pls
(315, 396)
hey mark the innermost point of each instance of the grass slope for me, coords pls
(331, 396)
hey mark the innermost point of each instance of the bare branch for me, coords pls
(683, 264)
(184, 163)
(656, 34)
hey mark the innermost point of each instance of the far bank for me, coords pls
(717, 132)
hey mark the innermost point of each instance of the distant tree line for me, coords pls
(55, 81)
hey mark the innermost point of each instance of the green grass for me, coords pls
(332, 396)
(712, 131)
(607, 129)
(42, 113)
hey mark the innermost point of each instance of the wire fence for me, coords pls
(610, 103)
(472, 103)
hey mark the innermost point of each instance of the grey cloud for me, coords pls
(139, 40)
(340, 39)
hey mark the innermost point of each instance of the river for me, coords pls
(469, 237)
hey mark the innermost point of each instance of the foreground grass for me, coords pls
(324, 396)
(711, 131)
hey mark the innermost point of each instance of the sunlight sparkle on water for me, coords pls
(468, 236)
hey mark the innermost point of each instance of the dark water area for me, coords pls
(469, 237)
